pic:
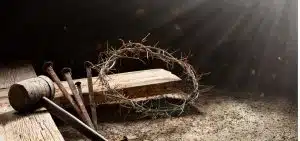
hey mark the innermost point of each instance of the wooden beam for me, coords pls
(38, 126)
(136, 84)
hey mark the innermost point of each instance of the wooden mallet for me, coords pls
(28, 95)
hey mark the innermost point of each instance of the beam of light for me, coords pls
(298, 71)
(268, 52)
(249, 10)
(176, 11)
(257, 30)
(208, 26)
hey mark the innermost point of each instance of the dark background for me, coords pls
(247, 45)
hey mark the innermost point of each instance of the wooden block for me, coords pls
(134, 84)
(38, 126)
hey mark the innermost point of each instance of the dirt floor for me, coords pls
(240, 116)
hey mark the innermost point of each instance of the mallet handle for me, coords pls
(71, 120)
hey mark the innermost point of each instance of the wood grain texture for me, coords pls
(12, 73)
(38, 126)
(134, 84)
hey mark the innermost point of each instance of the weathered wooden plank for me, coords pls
(38, 126)
(134, 84)
(12, 73)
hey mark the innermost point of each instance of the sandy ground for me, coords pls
(221, 118)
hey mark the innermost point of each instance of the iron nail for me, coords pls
(48, 67)
(93, 105)
(78, 85)
(68, 76)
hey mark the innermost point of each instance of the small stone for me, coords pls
(190, 137)
(131, 137)
(143, 130)
(160, 139)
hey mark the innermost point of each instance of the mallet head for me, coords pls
(25, 95)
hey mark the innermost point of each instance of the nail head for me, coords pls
(47, 65)
(88, 64)
(66, 70)
(78, 83)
